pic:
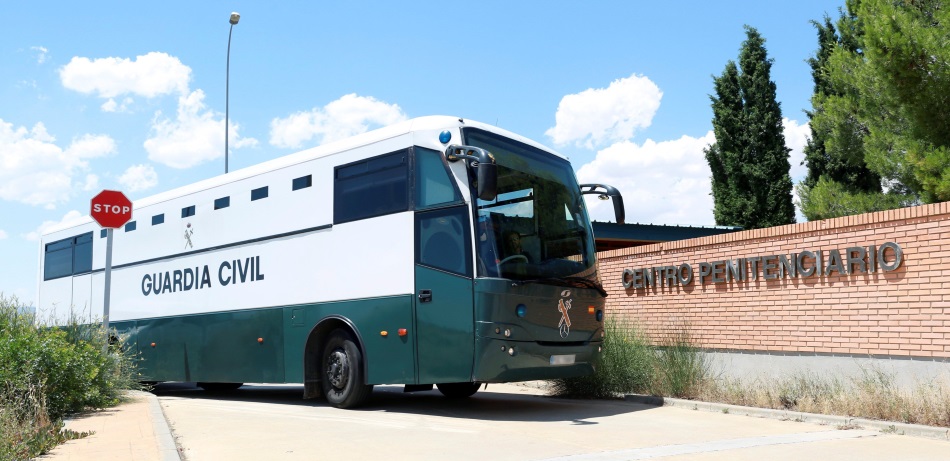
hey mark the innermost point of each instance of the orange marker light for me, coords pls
(260, 340)
(403, 332)
(591, 310)
(153, 344)
(384, 333)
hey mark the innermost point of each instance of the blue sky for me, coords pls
(131, 95)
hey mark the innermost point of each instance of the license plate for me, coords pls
(562, 359)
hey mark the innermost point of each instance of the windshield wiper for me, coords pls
(576, 282)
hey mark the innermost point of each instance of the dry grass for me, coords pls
(873, 395)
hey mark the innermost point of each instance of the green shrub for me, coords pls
(626, 366)
(681, 366)
(50, 372)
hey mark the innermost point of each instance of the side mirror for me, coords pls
(487, 177)
(482, 161)
(605, 192)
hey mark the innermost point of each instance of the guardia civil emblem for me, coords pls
(564, 305)
(188, 233)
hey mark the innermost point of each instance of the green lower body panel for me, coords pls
(390, 357)
(268, 345)
(239, 346)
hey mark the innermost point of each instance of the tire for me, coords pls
(218, 387)
(458, 390)
(341, 367)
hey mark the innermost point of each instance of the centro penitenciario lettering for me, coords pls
(809, 263)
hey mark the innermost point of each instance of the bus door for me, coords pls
(444, 306)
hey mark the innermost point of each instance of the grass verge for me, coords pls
(872, 394)
(47, 373)
(671, 365)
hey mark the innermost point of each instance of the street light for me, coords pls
(235, 17)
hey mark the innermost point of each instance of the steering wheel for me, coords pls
(513, 257)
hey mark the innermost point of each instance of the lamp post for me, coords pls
(235, 17)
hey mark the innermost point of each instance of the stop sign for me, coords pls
(111, 208)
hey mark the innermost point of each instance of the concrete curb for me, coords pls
(163, 434)
(915, 430)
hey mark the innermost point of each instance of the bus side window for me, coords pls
(442, 240)
(68, 257)
(373, 187)
(434, 186)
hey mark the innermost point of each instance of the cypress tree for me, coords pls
(751, 186)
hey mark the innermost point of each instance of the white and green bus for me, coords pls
(438, 251)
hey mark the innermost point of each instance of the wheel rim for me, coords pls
(338, 368)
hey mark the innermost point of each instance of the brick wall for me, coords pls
(901, 312)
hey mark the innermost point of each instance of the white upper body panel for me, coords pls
(315, 261)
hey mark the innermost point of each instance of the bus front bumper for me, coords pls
(501, 361)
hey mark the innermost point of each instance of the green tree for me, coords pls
(751, 186)
(832, 199)
(884, 100)
(844, 164)
(905, 86)
(839, 182)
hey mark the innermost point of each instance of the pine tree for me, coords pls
(751, 186)
(838, 183)
(883, 102)
(905, 88)
(845, 166)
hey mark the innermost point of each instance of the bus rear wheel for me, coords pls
(342, 364)
(458, 390)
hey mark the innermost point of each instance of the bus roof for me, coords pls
(434, 122)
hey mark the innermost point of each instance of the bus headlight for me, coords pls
(521, 310)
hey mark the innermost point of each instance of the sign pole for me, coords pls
(108, 285)
(111, 209)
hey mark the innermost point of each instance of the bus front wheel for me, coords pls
(342, 363)
(458, 390)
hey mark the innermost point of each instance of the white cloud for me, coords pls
(194, 137)
(111, 106)
(597, 116)
(69, 217)
(92, 182)
(91, 146)
(150, 75)
(668, 182)
(3, 235)
(41, 53)
(36, 171)
(139, 177)
(347, 116)
(796, 137)
(661, 182)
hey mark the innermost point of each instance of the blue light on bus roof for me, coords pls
(521, 310)
(445, 136)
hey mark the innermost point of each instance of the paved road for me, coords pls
(506, 422)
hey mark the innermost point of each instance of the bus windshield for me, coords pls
(537, 228)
